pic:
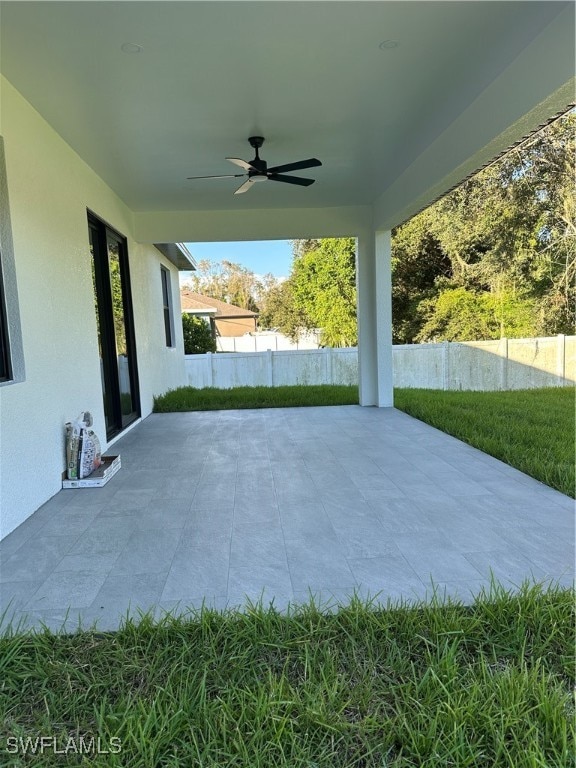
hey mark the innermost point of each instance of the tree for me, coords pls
(507, 236)
(279, 310)
(323, 283)
(227, 281)
(418, 260)
(198, 337)
(459, 314)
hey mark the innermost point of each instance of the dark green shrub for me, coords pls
(197, 335)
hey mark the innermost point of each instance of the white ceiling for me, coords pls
(308, 76)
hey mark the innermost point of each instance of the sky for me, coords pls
(273, 256)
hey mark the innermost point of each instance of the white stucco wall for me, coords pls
(50, 188)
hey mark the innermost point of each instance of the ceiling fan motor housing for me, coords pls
(259, 165)
(256, 141)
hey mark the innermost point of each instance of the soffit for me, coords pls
(309, 76)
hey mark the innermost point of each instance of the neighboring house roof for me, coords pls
(197, 304)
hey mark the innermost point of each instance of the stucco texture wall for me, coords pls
(50, 189)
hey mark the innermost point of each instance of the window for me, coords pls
(167, 304)
(11, 346)
(5, 362)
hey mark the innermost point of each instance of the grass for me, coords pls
(532, 430)
(431, 685)
(212, 399)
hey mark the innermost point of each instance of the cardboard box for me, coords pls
(105, 472)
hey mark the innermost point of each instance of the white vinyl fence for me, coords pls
(472, 365)
(273, 369)
(267, 340)
(487, 365)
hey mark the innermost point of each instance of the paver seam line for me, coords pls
(267, 432)
(566, 572)
(204, 466)
(51, 572)
(231, 531)
(403, 558)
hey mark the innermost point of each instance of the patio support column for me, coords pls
(374, 283)
(384, 318)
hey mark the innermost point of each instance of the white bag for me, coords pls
(83, 452)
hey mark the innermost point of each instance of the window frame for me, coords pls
(12, 366)
(6, 371)
(167, 306)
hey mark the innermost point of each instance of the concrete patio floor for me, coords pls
(280, 504)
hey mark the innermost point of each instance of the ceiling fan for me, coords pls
(257, 170)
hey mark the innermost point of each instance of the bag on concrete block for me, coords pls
(83, 452)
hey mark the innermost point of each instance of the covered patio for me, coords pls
(278, 505)
(118, 124)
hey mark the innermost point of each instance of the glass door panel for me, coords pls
(120, 330)
(115, 326)
(106, 393)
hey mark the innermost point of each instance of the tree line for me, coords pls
(494, 257)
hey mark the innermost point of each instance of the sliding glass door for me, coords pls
(115, 323)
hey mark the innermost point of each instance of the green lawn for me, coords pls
(532, 430)
(431, 685)
(212, 399)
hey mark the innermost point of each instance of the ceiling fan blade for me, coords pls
(241, 163)
(291, 179)
(311, 163)
(244, 187)
(225, 176)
